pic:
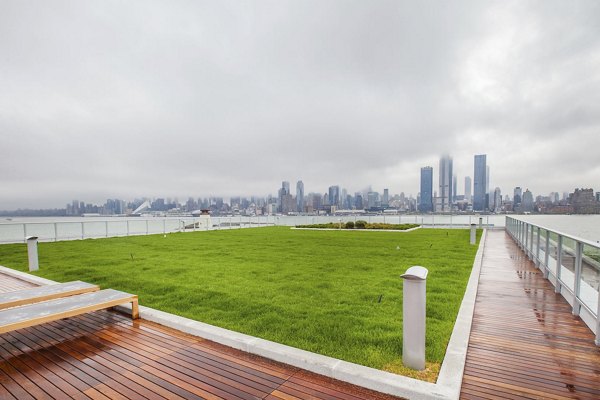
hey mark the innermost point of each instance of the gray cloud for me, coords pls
(112, 99)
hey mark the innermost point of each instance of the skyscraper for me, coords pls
(445, 181)
(386, 198)
(300, 196)
(468, 188)
(334, 195)
(426, 198)
(454, 191)
(285, 190)
(479, 184)
(517, 195)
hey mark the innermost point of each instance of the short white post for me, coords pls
(480, 222)
(473, 234)
(413, 317)
(32, 252)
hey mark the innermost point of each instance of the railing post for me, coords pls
(558, 264)
(55, 232)
(547, 255)
(106, 227)
(577, 283)
(164, 226)
(473, 237)
(537, 251)
(82, 231)
(127, 227)
(525, 237)
(25, 232)
(146, 227)
(598, 321)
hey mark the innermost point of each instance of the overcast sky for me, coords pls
(126, 99)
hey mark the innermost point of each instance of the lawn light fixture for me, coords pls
(413, 317)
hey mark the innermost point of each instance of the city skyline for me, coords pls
(185, 98)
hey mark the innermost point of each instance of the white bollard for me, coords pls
(413, 319)
(480, 222)
(473, 234)
(32, 252)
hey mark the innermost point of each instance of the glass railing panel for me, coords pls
(117, 228)
(10, 233)
(68, 230)
(568, 255)
(590, 277)
(44, 232)
(553, 254)
(542, 253)
(137, 227)
(94, 229)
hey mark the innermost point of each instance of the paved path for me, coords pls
(525, 343)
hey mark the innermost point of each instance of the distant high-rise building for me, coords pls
(517, 196)
(454, 191)
(426, 196)
(487, 178)
(468, 188)
(497, 200)
(284, 190)
(445, 183)
(479, 184)
(300, 196)
(334, 196)
(386, 198)
(372, 200)
(527, 202)
(358, 201)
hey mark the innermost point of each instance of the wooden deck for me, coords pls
(525, 343)
(106, 355)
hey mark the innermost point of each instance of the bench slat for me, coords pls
(39, 313)
(44, 293)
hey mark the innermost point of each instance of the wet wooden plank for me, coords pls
(107, 355)
(525, 342)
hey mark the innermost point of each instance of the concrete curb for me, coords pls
(356, 230)
(449, 380)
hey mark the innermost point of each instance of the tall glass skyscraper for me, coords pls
(300, 196)
(479, 182)
(445, 192)
(426, 199)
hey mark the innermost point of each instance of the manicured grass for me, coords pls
(334, 293)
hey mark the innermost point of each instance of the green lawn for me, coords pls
(334, 293)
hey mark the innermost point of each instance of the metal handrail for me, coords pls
(523, 233)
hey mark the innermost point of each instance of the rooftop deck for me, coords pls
(525, 343)
(106, 355)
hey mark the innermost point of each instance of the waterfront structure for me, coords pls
(445, 184)
(468, 192)
(426, 196)
(479, 185)
(300, 196)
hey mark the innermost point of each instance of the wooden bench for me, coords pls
(39, 313)
(44, 293)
